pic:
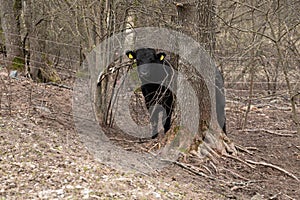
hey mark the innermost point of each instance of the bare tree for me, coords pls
(11, 22)
(196, 18)
(273, 49)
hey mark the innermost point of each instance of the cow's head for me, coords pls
(149, 64)
(145, 56)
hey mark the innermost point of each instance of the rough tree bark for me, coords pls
(10, 15)
(36, 27)
(196, 19)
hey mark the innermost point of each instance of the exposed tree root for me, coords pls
(190, 168)
(229, 146)
(214, 167)
(244, 149)
(235, 174)
(240, 160)
(214, 145)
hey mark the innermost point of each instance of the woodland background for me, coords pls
(255, 44)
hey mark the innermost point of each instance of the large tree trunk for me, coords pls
(10, 15)
(196, 19)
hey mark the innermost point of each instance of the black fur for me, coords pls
(156, 76)
(220, 100)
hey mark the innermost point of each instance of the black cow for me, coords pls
(156, 76)
(3, 49)
(220, 100)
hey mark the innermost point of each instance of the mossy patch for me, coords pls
(82, 74)
(137, 90)
(49, 74)
(18, 64)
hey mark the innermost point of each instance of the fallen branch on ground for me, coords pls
(241, 185)
(128, 141)
(59, 85)
(275, 167)
(293, 133)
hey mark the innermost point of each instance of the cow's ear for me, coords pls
(131, 55)
(161, 56)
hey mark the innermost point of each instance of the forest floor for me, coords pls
(42, 156)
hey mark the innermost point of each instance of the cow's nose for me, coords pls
(144, 73)
(144, 70)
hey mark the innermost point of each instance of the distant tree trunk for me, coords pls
(10, 15)
(36, 25)
(196, 19)
(28, 27)
(37, 59)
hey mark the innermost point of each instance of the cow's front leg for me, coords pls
(167, 121)
(154, 116)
